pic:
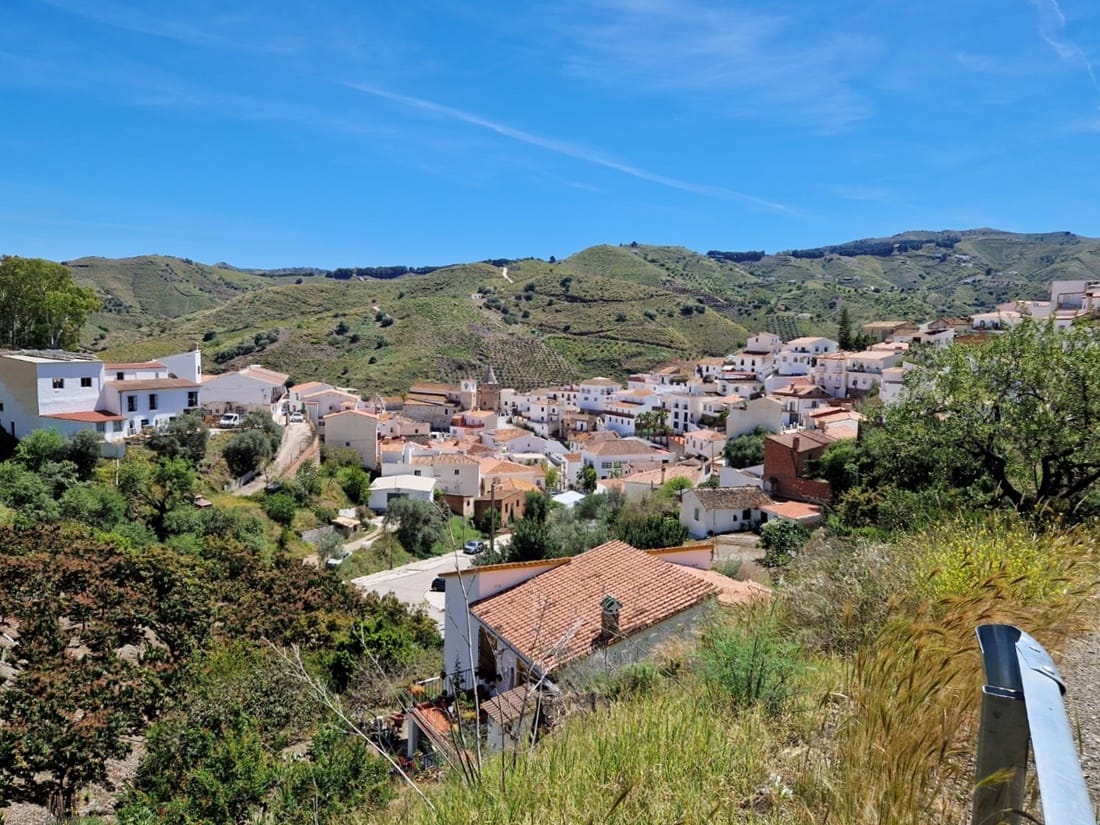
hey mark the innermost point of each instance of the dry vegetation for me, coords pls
(878, 723)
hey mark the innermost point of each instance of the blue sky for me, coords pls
(342, 132)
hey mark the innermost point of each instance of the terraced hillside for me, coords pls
(137, 290)
(606, 310)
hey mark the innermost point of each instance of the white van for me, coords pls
(229, 420)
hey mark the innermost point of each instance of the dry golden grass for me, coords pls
(882, 726)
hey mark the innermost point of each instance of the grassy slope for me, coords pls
(605, 310)
(139, 291)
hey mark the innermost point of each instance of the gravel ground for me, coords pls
(1078, 666)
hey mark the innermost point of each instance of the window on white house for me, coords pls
(86, 381)
(59, 383)
(193, 398)
(120, 376)
(131, 403)
(456, 471)
(152, 400)
(696, 516)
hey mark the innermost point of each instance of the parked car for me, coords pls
(229, 420)
(473, 547)
(439, 584)
(296, 418)
(339, 558)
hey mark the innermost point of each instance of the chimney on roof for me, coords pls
(609, 618)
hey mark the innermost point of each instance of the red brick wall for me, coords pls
(804, 489)
(784, 468)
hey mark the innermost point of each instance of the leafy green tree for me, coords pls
(185, 436)
(355, 482)
(154, 489)
(840, 466)
(281, 508)
(651, 531)
(782, 541)
(95, 505)
(260, 421)
(1015, 416)
(333, 458)
(417, 524)
(83, 450)
(341, 775)
(653, 424)
(746, 450)
(75, 699)
(40, 447)
(27, 493)
(587, 479)
(247, 451)
(844, 330)
(42, 305)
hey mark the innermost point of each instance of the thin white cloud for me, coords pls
(731, 58)
(567, 149)
(1052, 30)
(218, 30)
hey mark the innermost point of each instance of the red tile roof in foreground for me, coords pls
(555, 617)
(731, 591)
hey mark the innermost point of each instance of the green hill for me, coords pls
(135, 291)
(606, 310)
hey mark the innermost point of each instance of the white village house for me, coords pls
(69, 392)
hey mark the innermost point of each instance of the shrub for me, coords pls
(750, 663)
(281, 508)
(245, 452)
(730, 568)
(782, 540)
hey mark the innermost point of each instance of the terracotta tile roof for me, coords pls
(794, 390)
(515, 485)
(706, 435)
(731, 591)
(731, 498)
(596, 437)
(264, 374)
(600, 382)
(493, 465)
(454, 458)
(310, 386)
(363, 413)
(661, 475)
(512, 704)
(331, 391)
(431, 388)
(153, 384)
(806, 440)
(793, 510)
(509, 433)
(555, 617)
(624, 446)
(427, 401)
(87, 416)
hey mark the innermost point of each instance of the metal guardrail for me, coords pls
(1022, 703)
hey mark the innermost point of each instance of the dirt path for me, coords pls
(296, 438)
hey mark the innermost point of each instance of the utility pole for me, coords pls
(493, 518)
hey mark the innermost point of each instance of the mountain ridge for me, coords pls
(606, 309)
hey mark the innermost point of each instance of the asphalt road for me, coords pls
(411, 583)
